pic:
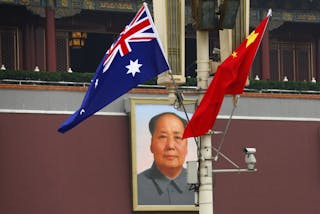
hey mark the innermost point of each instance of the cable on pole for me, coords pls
(235, 99)
(178, 104)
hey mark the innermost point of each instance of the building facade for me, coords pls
(89, 168)
(58, 35)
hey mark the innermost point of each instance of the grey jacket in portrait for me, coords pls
(156, 189)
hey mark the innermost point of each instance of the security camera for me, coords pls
(250, 159)
(249, 150)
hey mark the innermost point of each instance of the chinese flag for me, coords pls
(230, 78)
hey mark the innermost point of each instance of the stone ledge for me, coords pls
(191, 92)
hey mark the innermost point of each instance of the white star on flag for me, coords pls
(82, 111)
(133, 68)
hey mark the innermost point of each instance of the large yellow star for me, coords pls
(251, 38)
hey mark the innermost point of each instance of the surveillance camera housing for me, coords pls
(250, 159)
(249, 150)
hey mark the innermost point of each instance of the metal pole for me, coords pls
(233, 170)
(205, 159)
(203, 66)
(206, 186)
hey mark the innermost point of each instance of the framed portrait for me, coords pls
(155, 186)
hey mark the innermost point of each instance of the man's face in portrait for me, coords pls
(168, 147)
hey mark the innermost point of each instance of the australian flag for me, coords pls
(135, 57)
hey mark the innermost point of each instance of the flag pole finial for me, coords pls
(269, 12)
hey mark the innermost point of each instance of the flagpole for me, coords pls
(205, 199)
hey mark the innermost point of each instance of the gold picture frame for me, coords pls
(141, 111)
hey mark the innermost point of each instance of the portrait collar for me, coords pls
(162, 182)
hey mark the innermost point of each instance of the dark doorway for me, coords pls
(87, 58)
(190, 57)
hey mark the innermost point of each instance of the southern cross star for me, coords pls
(96, 83)
(133, 68)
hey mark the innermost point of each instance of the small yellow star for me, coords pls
(234, 54)
(251, 38)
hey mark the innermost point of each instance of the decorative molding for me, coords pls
(71, 7)
(281, 16)
(65, 8)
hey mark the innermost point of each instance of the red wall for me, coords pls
(83, 171)
(87, 170)
(288, 162)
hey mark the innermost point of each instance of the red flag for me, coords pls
(230, 78)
